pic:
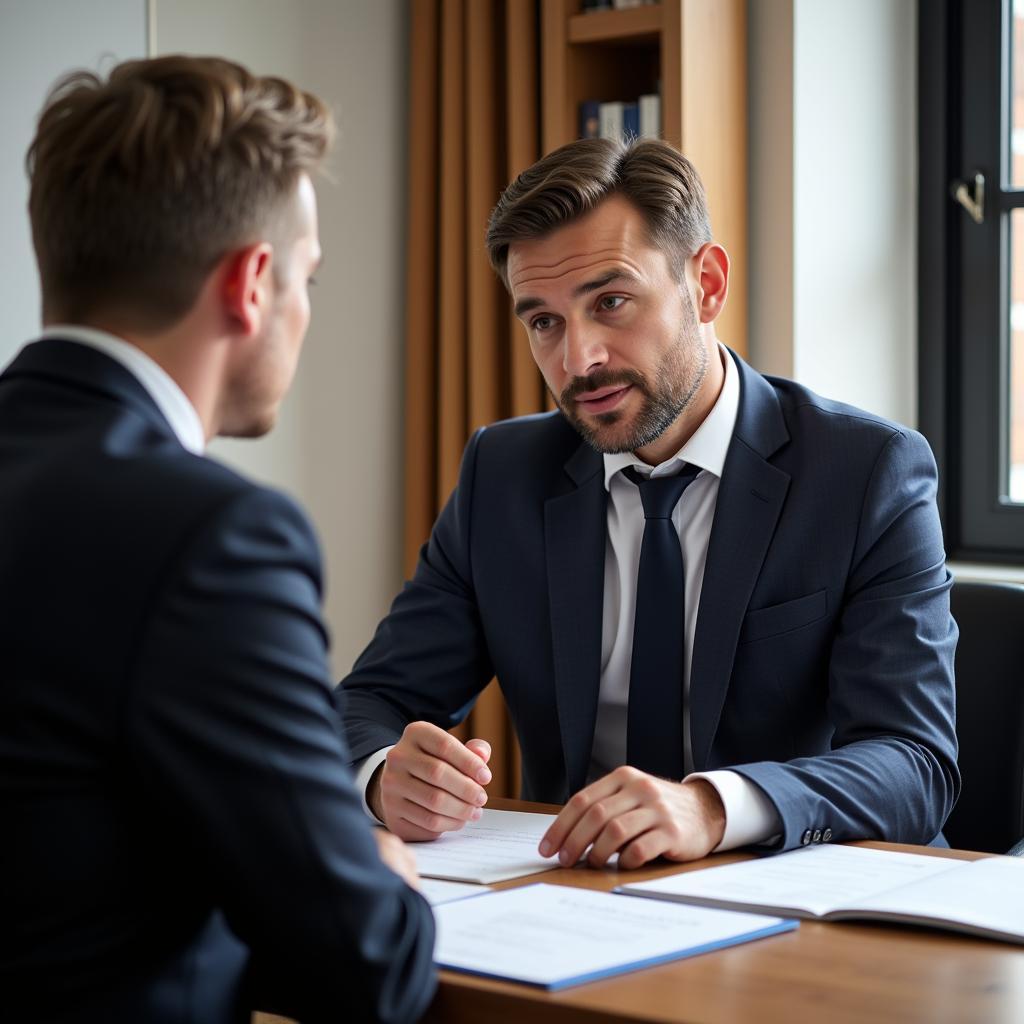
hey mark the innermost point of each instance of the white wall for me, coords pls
(338, 446)
(40, 41)
(833, 101)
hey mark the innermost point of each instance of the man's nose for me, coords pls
(583, 350)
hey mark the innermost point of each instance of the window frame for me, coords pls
(963, 272)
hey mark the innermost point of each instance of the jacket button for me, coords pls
(816, 838)
(826, 835)
(805, 838)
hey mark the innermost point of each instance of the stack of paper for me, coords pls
(502, 844)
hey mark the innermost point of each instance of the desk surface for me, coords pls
(826, 972)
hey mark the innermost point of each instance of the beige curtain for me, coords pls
(473, 126)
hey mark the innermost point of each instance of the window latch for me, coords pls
(971, 196)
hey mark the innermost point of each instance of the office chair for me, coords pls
(989, 815)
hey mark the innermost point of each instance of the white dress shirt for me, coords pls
(750, 817)
(179, 412)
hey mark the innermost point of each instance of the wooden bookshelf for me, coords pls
(692, 52)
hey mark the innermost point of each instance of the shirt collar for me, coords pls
(179, 412)
(709, 443)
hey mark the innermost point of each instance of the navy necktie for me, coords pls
(654, 734)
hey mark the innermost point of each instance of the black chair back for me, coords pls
(989, 815)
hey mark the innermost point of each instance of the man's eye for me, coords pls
(542, 323)
(608, 302)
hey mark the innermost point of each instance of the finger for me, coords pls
(439, 801)
(427, 820)
(618, 833)
(599, 816)
(439, 774)
(481, 748)
(410, 833)
(447, 748)
(644, 848)
(569, 816)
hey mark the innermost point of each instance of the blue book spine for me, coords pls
(590, 119)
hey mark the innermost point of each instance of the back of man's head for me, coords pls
(141, 183)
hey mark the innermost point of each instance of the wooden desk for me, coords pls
(830, 973)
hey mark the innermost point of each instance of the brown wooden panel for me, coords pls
(420, 290)
(485, 340)
(451, 403)
(559, 112)
(714, 136)
(523, 62)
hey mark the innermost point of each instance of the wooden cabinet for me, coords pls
(692, 52)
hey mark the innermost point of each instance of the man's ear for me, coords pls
(711, 272)
(246, 287)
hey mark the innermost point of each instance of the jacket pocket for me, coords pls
(761, 623)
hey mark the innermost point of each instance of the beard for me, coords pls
(676, 380)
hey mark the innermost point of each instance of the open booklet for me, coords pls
(981, 897)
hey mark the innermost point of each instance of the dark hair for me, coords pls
(141, 183)
(569, 182)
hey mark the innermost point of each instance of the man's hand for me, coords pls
(430, 783)
(638, 816)
(397, 856)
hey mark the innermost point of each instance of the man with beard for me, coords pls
(720, 620)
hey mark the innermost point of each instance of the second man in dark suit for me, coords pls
(181, 841)
(720, 619)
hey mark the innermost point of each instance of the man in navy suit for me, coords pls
(763, 657)
(181, 838)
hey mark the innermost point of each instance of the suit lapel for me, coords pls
(575, 525)
(751, 494)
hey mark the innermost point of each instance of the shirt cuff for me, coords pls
(364, 772)
(750, 817)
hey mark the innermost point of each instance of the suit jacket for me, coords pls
(181, 841)
(822, 663)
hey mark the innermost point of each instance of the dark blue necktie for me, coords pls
(654, 734)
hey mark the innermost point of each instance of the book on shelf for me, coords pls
(610, 115)
(619, 119)
(837, 883)
(650, 116)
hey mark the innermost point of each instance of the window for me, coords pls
(971, 268)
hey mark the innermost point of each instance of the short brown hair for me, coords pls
(141, 183)
(569, 182)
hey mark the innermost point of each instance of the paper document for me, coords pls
(812, 881)
(555, 935)
(502, 844)
(438, 891)
(981, 897)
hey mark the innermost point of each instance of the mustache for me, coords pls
(602, 379)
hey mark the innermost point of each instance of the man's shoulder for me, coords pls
(810, 414)
(546, 434)
(207, 488)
